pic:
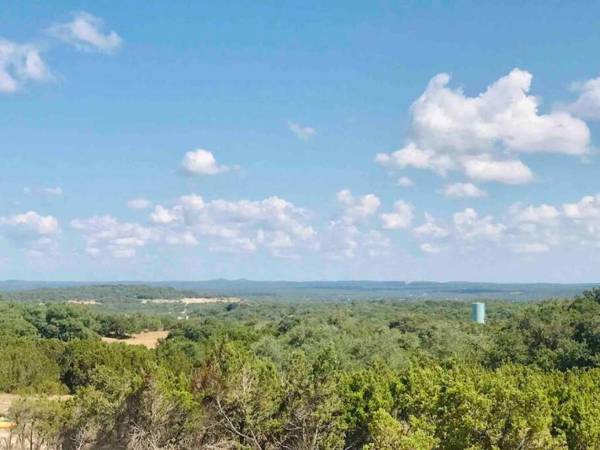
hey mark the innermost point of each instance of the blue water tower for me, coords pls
(478, 312)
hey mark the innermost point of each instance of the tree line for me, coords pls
(344, 375)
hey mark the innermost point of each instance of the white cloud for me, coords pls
(20, 63)
(273, 223)
(201, 162)
(542, 214)
(139, 203)
(470, 225)
(412, 156)
(400, 218)
(351, 231)
(504, 115)
(119, 239)
(533, 226)
(529, 229)
(344, 240)
(163, 215)
(451, 131)
(301, 132)
(85, 33)
(30, 225)
(585, 216)
(405, 182)
(585, 209)
(430, 228)
(36, 233)
(49, 191)
(427, 247)
(463, 190)
(358, 230)
(507, 171)
(540, 228)
(587, 104)
(357, 208)
(531, 247)
(185, 238)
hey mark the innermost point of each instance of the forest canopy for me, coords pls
(307, 375)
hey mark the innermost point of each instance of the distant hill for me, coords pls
(318, 290)
(74, 291)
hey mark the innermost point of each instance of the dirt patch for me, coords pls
(7, 400)
(82, 302)
(196, 300)
(148, 339)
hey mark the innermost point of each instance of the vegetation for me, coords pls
(97, 292)
(308, 375)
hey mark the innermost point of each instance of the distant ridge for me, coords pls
(350, 289)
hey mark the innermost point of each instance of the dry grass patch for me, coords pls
(148, 339)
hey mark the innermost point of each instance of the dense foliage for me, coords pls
(309, 375)
(97, 292)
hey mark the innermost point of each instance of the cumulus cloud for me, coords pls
(357, 208)
(85, 33)
(201, 162)
(30, 225)
(463, 190)
(301, 132)
(470, 225)
(430, 228)
(36, 233)
(344, 240)
(19, 64)
(542, 214)
(352, 230)
(588, 208)
(539, 228)
(358, 229)
(405, 182)
(400, 218)
(412, 156)
(139, 203)
(503, 115)
(105, 234)
(480, 135)
(163, 215)
(245, 225)
(585, 216)
(587, 105)
(506, 171)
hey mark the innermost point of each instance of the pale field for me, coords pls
(6, 400)
(196, 300)
(148, 339)
(83, 302)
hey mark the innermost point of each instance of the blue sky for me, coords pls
(279, 140)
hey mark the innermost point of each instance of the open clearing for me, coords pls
(196, 300)
(7, 400)
(148, 339)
